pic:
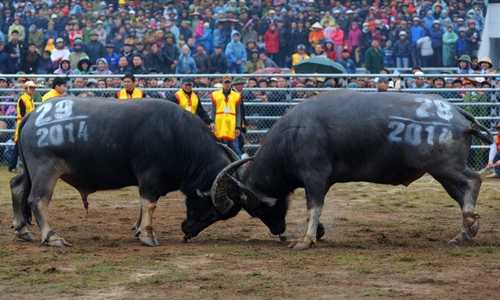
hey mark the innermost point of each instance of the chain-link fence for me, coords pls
(264, 101)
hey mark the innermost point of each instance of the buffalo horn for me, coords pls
(250, 199)
(234, 157)
(219, 187)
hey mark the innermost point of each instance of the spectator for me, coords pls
(16, 49)
(6, 66)
(348, 63)
(202, 60)
(301, 35)
(417, 32)
(330, 50)
(58, 88)
(94, 48)
(235, 54)
(337, 36)
(45, 64)
(254, 64)
(18, 28)
(186, 63)
(74, 34)
(248, 34)
(77, 54)
(461, 43)
(271, 40)
(170, 53)
(402, 51)
(218, 63)
(418, 83)
(424, 45)
(102, 67)
(316, 36)
(111, 58)
(364, 40)
(207, 39)
(50, 33)
(374, 58)
(268, 62)
(30, 59)
(319, 51)
(60, 51)
(137, 65)
(486, 65)
(64, 67)
(353, 39)
(449, 47)
(472, 38)
(123, 66)
(474, 63)
(388, 51)
(36, 37)
(464, 65)
(102, 35)
(382, 84)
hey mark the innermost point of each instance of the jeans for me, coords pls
(234, 145)
(236, 69)
(426, 61)
(14, 158)
(497, 158)
(402, 62)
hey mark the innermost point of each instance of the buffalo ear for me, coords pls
(269, 201)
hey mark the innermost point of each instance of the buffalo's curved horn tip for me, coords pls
(250, 199)
(219, 187)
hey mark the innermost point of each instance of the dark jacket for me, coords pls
(95, 50)
(45, 66)
(170, 53)
(30, 62)
(374, 60)
(6, 66)
(155, 61)
(218, 63)
(202, 63)
(402, 49)
(300, 37)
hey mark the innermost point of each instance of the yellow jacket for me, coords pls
(225, 114)
(29, 105)
(50, 94)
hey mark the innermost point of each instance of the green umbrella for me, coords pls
(321, 65)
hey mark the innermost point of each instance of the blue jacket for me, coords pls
(235, 51)
(45, 66)
(417, 32)
(112, 61)
(6, 66)
(349, 65)
(186, 64)
(437, 37)
(206, 39)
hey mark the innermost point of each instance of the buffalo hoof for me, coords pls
(134, 227)
(471, 223)
(56, 241)
(299, 245)
(26, 236)
(186, 239)
(282, 238)
(320, 232)
(149, 241)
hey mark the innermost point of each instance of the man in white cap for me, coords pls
(25, 105)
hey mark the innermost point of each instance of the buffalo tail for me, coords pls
(483, 137)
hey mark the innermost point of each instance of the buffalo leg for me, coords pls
(137, 223)
(463, 186)
(315, 196)
(39, 199)
(18, 192)
(145, 231)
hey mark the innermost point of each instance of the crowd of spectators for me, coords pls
(220, 36)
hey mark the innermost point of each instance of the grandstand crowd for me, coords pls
(210, 36)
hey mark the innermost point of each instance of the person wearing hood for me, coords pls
(479, 18)
(330, 50)
(36, 37)
(102, 67)
(236, 54)
(272, 43)
(449, 47)
(417, 32)
(464, 65)
(77, 53)
(429, 20)
(206, 39)
(444, 18)
(461, 47)
(84, 67)
(353, 41)
(186, 64)
(436, 36)
(60, 51)
(64, 67)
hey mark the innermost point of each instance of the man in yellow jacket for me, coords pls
(299, 56)
(58, 88)
(130, 91)
(226, 112)
(25, 105)
(188, 100)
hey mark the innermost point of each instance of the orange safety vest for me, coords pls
(497, 140)
(30, 106)
(188, 103)
(225, 114)
(136, 93)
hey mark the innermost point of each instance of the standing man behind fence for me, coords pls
(58, 88)
(25, 105)
(188, 100)
(130, 91)
(226, 111)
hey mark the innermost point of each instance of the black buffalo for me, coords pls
(102, 144)
(344, 136)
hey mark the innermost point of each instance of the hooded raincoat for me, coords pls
(186, 63)
(235, 51)
(60, 70)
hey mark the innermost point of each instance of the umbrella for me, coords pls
(269, 71)
(321, 65)
(231, 22)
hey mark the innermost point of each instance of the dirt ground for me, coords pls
(381, 241)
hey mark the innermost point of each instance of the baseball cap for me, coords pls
(187, 80)
(227, 78)
(59, 40)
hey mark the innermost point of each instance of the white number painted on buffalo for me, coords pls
(443, 109)
(414, 133)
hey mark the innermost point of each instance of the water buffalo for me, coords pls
(344, 136)
(102, 144)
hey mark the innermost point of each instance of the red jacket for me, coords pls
(271, 41)
(332, 54)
